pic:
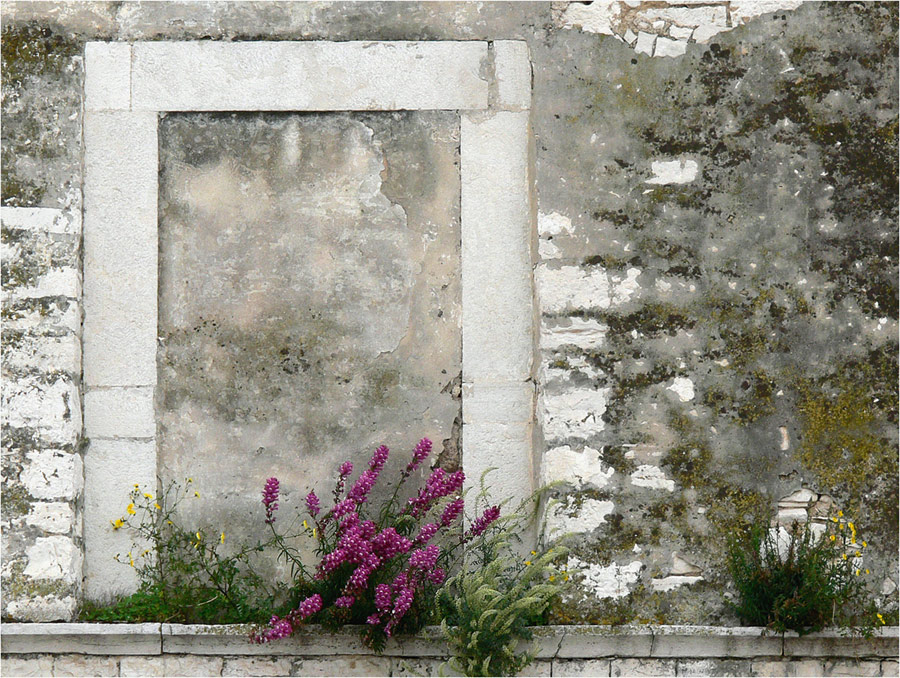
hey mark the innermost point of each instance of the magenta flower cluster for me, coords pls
(481, 524)
(270, 499)
(438, 485)
(372, 570)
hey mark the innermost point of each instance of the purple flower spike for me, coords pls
(378, 459)
(436, 576)
(344, 601)
(425, 559)
(452, 512)
(270, 499)
(427, 532)
(310, 606)
(312, 504)
(420, 454)
(481, 524)
(346, 469)
(383, 597)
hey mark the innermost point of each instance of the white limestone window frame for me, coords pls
(128, 85)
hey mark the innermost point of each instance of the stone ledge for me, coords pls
(553, 642)
(79, 638)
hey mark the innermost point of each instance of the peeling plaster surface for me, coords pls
(716, 274)
(309, 262)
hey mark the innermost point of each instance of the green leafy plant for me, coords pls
(186, 575)
(802, 579)
(487, 609)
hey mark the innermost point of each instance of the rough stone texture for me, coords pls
(342, 666)
(82, 665)
(28, 666)
(642, 667)
(310, 269)
(257, 666)
(734, 328)
(755, 352)
(573, 667)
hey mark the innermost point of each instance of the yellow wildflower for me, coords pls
(864, 544)
(305, 525)
(840, 514)
(117, 523)
(130, 509)
(841, 526)
(534, 553)
(169, 522)
(858, 554)
(130, 559)
(851, 526)
(145, 552)
(190, 480)
(844, 556)
(857, 572)
(528, 562)
(880, 618)
(147, 495)
(196, 494)
(314, 533)
(831, 537)
(136, 486)
(552, 578)
(198, 536)
(157, 506)
(222, 538)
(868, 571)
(566, 578)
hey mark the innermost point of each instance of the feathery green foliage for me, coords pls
(487, 608)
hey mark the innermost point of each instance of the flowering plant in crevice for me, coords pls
(378, 566)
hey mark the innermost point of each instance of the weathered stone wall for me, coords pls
(717, 197)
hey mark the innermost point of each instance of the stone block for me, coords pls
(505, 447)
(890, 668)
(343, 665)
(52, 408)
(41, 665)
(666, 47)
(788, 668)
(497, 299)
(47, 353)
(538, 668)
(56, 517)
(512, 70)
(845, 667)
(54, 558)
(883, 643)
(81, 638)
(112, 467)
(192, 665)
(504, 403)
(53, 474)
(606, 641)
(714, 667)
(233, 640)
(84, 665)
(142, 666)
(711, 641)
(41, 220)
(642, 667)
(308, 76)
(581, 667)
(50, 608)
(119, 412)
(120, 249)
(257, 666)
(107, 76)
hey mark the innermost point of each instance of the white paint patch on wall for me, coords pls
(572, 288)
(612, 581)
(578, 469)
(553, 224)
(624, 288)
(652, 477)
(681, 171)
(665, 30)
(564, 517)
(573, 414)
(683, 388)
(580, 332)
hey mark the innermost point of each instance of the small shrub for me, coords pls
(379, 567)
(186, 575)
(800, 579)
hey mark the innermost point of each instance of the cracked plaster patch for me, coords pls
(665, 30)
